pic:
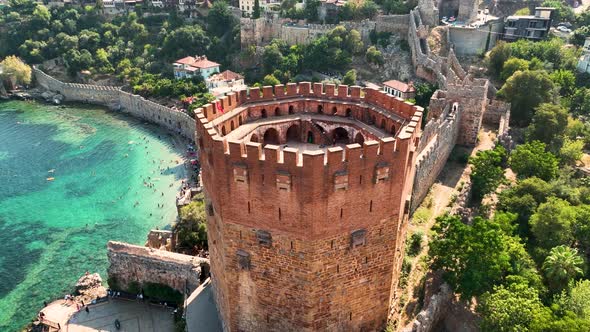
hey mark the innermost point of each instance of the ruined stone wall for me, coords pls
(395, 24)
(498, 113)
(263, 30)
(116, 99)
(130, 263)
(436, 144)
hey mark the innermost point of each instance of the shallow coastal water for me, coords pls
(70, 180)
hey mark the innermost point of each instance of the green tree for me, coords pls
(270, 80)
(548, 125)
(552, 223)
(374, 56)
(41, 17)
(475, 257)
(187, 40)
(13, 66)
(513, 308)
(577, 300)
(497, 57)
(513, 65)
(525, 90)
(565, 80)
(349, 78)
(562, 266)
(571, 151)
(563, 12)
(531, 159)
(487, 172)
(256, 9)
(580, 102)
(311, 10)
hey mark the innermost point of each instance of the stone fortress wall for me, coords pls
(136, 264)
(456, 112)
(116, 99)
(263, 30)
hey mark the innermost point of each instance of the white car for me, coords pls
(564, 29)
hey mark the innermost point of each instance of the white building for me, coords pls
(224, 82)
(191, 66)
(400, 89)
(584, 62)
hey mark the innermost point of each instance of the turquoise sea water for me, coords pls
(51, 232)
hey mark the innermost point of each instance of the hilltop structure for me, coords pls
(307, 196)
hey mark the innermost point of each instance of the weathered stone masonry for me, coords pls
(130, 263)
(306, 240)
(116, 99)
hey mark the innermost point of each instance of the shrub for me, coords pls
(162, 292)
(415, 244)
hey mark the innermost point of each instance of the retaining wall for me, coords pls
(130, 263)
(116, 99)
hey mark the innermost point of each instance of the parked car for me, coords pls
(562, 28)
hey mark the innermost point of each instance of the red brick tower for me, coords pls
(307, 190)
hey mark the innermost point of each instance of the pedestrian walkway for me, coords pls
(201, 311)
(133, 316)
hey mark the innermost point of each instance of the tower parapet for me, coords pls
(296, 177)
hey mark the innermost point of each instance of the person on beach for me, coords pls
(87, 310)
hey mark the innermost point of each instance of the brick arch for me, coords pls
(340, 136)
(293, 133)
(334, 110)
(277, 111)
(393, 129)
(263, 113)
(271, 136)
(223, 130)
(349, 112)
(320, 109)
(359, 138)
(254, 138)
(231, 126)
(240, 121)
(382, 123)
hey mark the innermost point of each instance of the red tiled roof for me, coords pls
(400, 86)
(198, 62)
(227, 75)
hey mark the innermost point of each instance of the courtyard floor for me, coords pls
(133, 316)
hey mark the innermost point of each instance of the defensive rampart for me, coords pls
(116, 99)
(263, 30)
(135, 264)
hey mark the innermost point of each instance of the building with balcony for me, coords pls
(189, 67)
(532, 27)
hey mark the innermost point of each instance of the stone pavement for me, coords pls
(134, 317)
(201, 311)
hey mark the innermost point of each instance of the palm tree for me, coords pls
(562, 265)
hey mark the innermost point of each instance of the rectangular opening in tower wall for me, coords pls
(358, 238)
(264, 238)
(243, 260)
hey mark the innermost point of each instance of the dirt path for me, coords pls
(437, 202)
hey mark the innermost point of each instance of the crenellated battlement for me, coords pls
(306, 182)
(382, 133)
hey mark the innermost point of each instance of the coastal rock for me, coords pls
(89, 287)
(88, 281)
(47, 95)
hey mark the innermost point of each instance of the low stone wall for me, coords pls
(130, 263)
(115, 99)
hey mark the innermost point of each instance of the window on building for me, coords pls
(264, 238)
(243, 260)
